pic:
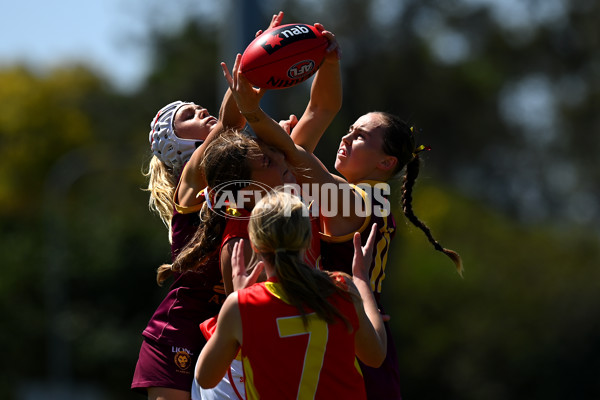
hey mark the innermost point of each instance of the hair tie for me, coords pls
(280, 250)
(207, 195)
(420, 149)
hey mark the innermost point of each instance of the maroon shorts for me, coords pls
(384, 382)
(163, 365)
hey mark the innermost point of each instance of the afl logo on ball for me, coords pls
(301, 69)
(182, 360)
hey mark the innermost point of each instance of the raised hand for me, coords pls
(275, 21)
(363, 256)
(289, 124)
(239, 276)
(246, 96)
(334, 50)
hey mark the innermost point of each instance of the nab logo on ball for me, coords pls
(286, 35)
(301, 69)
(284, 56)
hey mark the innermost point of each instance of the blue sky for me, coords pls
(104, 34)
(108, 34)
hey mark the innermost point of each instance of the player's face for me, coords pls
(361, 148)
(193, 122)
(270, 168)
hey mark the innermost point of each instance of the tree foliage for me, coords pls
(508, 185)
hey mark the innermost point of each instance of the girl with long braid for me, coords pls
(301, 330)
(376, 148)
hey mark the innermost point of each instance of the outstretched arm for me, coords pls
(222, 347)
(325, 97)
(192, 177)
(229, 114)
(370, 339)
(313, 171)
(248, 100)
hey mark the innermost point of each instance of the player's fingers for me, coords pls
(255, 272)
(227, 75)
(238, 265)
(236, 70)
(261, 91)
(258, 33)
(293, 121)
(368, 249)
(273, 21)
(277, 18)
(357, 245)
(236, 64)
(333, 43)
(287, 127)
(242, 80)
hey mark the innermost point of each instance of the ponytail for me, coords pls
(163, 273)
(308, 287)
(280, 230)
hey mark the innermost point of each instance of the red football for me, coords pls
(283, 56)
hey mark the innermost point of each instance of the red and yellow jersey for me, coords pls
(283, 359)
(237, 228)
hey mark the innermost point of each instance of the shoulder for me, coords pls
(229, 322)
(230, 309)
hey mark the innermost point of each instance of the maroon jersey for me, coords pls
(183, 227)
(337, 254)
(337, 251)
(193, 297)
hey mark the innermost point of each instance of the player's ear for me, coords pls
(387, 163)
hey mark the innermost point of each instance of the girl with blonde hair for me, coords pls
(301, 330)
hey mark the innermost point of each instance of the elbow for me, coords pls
(380, 358)
(375, 356)
(207, 377)
(374, 359)
(206, 383)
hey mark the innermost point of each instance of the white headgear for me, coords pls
(173, 151)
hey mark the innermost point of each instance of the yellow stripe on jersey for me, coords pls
(185, 210)
(276, 290)
(380, 258)
(357, 366)
(251, 392)
(188, 210)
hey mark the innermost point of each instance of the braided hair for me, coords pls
(399, 141)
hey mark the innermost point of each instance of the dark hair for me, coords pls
(225, 159)
(399, 141)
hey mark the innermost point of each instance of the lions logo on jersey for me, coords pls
(182, 360)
